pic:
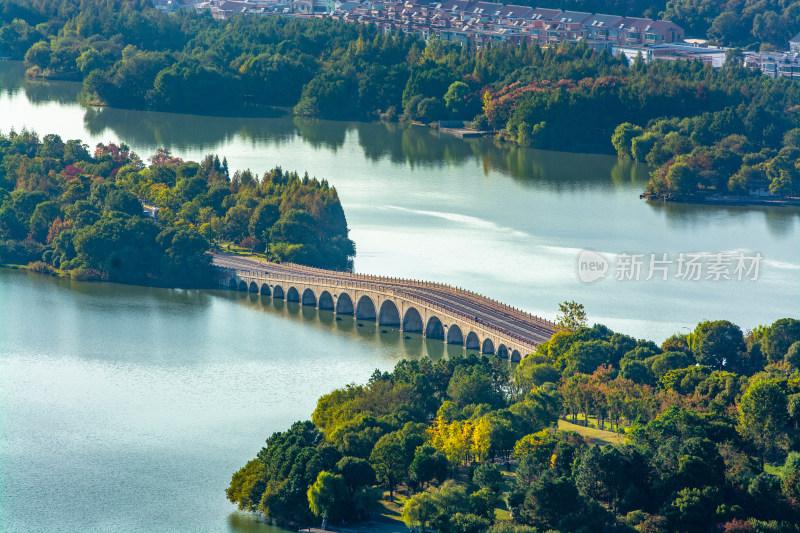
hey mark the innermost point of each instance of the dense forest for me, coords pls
(567, 97)
(725, 151)
(707, 439)
(63, 208)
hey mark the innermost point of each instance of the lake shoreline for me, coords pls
(724, 200)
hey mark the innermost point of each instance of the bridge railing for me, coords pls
(376, 287)
(420, 283)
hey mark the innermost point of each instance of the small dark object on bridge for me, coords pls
(360, 325)
(384, 331)
(407, 337)
(339, 319)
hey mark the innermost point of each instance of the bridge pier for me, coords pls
(373, 299)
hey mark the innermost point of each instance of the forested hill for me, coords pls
(567, 97)
(709, 423)
(64, 208)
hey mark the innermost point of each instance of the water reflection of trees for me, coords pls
(415, 146)
(400, 144)
(12, 80)
(780, 221)
(12, 75)
(178, 131)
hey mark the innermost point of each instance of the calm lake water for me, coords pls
(127, 409)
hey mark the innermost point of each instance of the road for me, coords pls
(519, 324)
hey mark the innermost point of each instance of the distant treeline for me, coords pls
(64, 208)
(708, 425)
(567, 97)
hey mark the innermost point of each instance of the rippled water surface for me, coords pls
(127, 409)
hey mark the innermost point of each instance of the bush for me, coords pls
(480, 123)
(468, 523)
(509, 527)
(41, 267)
(88, 274)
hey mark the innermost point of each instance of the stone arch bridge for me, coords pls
(433, 310)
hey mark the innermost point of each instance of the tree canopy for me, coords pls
(62, 208)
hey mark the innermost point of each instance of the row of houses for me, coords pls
(775, 64)
(465, 21)
(481, 23)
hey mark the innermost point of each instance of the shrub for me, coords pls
(41, 267)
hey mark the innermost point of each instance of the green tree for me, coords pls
(717, 344)
(474, 386)
(455, 97)
(534, 371)
(89, 60)
(779, 337)
(763, 415)
(550, 501)
(427, 465)
(42, 218)
(793, 356)
(623, 135)
(326, 497)
(265, 215)
(782, 184)
(356, 472)
(681, 178)
(247, 486)
(488, 476)
(39, 55)
(419, 510)
(388, 458)
(572, 316)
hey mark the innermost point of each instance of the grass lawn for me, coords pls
(592, 435)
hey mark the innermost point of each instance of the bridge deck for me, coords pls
(525, 327)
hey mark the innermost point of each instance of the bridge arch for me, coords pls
(488, 346)
(472, 342)
(277, 292)
(502, 351)
(365, 310)
(265, 289)
(242, 285)
(309, 298)
(253, 287)
(325, 301)
(233, 284)
(412, 321)
(454, 335)
(344, 304)
(389, 315)
(292, 295)
(434, 329)
(515, 356)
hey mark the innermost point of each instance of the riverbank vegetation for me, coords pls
(708, 131)
(718, 154)
(706, 426)
(62, 207)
